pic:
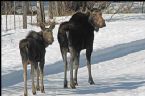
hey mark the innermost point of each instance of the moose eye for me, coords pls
(100, 14)
(93, 14)
(47, 30)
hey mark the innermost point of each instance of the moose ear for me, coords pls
(95, 10)
(87, 12)
(42, 26)
(52, 25)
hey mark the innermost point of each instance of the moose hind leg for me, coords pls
(32, 76)
(88, 56)
(37, 76)
(64, 56)
(25, 78)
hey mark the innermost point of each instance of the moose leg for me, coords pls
(41, 66)
(76, 67)
(72, 56)
(25, 78)
(64, 56)
(37, 75)
(88, 56)
(32, 76)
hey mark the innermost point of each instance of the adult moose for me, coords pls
(32, 51)
(78, 34)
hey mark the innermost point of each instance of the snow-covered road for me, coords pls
(118, 61)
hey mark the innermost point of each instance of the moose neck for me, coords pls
(90, 20)
(43, 40)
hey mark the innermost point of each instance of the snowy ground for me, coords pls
(118, 61)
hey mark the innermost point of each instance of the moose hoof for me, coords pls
(33, 89)
(42, 89)
(72, 86)
(75, 82)
(25, 94)
(65, 84)
(34, 93)
(37, 88)
(91, 82)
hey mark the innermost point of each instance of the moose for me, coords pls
(75, 35)
(32, 51)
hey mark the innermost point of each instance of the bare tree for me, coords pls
(6, 14)
(40, 12)
(59, 8)
(14, 16)
(50, 9)
(83, 5)
(31, 11)
(117, 10)
(56, 9)
(24, 14)
(63, 8)
(127, 9)
(143, 7)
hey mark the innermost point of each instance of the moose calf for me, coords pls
(32, 51)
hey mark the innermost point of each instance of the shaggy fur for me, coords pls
(75, 35)
(32, 51)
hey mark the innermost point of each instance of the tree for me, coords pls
(143, 7)
(50, 11)
(40, 13)
(6, 14)
(14, 15)
(24, 14)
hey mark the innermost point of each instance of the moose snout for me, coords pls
(50, 41)
(103, 24)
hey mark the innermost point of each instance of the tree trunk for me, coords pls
(143, 7)
(57, 8)
(24, 14)
(31, 11)
(50, 13)
(64, 8)
(14, 15)
(6, 14)
(40, 13)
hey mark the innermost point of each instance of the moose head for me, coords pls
(47, 33)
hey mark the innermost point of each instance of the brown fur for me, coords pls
(75, 35)
(32, 51)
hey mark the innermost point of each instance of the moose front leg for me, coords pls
(88, 56)
(41, 66)
(76, 67)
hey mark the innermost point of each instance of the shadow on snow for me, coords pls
(104, 87)
(97, 56)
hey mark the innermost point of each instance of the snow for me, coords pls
(118, 60)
